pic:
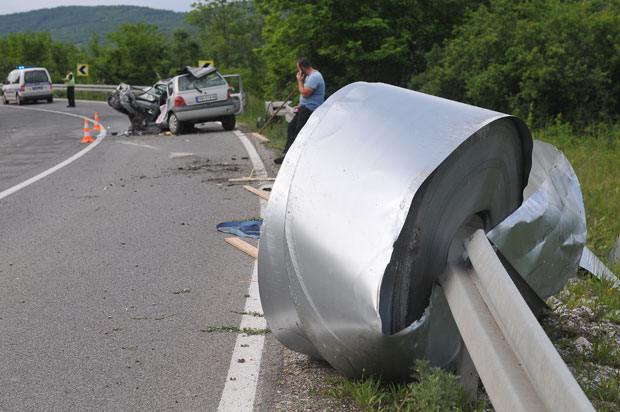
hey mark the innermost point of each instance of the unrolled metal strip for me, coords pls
(544, 238)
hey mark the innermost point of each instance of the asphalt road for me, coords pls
(111, 266)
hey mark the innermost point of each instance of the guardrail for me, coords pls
(519, 366)
(93, 87)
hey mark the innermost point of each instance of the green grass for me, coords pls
(433, 390)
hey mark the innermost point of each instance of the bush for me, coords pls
(537, 58)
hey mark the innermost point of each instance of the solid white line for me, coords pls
(59, 166)
(257, 163)
(242, 379)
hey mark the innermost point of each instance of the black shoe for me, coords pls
(279, 160)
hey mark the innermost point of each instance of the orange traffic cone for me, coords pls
(97, 124)
(87, 138)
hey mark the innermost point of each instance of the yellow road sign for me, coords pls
(205, 63)
(82, 69)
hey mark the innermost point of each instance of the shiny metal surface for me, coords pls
(544, 238)
(590, 262)
(339, 205)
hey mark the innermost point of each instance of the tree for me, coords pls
(230, 30)
(538, 57)
(133, 55)
(184, 50)
(369, 40)
(37, 49)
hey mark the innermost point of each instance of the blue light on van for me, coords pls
(25, 67)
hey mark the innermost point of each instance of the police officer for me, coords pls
(70, 81)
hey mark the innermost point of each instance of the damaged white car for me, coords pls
(194, 95)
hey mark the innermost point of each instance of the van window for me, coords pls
(14, 77)
(36, 76)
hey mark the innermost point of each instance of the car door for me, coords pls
(10, 89)
(236, 90)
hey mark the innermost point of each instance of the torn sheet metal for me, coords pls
(544, 239)
(142, 109)
(377, 184)
(594, 265)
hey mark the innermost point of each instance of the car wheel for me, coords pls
(175, 125)
(229, 122)
(18, 100)
(50, 100)
(4, 100)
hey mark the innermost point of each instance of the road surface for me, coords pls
(111, 267)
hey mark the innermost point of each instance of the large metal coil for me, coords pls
(372, 201)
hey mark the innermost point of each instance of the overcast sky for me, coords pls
(8, 7)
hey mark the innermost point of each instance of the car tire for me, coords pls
(176, 126)
(18, 100)
(50, 100)
(4, 100)
(228, 122)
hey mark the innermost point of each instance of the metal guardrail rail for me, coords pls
(516, 361)
(93, 87)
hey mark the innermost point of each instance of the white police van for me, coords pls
(27, 83)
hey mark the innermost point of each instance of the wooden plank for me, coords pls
(252, 179)
(260, 137)
(257, 192)
(243, 246)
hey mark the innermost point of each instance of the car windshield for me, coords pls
(155, 90)
(36, 76)
(210, 80)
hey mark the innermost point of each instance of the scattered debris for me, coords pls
(234, 329)
(261, 137)
(245, 247)
(257, 192)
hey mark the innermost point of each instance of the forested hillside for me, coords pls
(76, 24)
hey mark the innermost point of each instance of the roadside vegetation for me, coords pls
(554, 63)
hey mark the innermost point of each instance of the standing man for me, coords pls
(70, 81)
(312, 90)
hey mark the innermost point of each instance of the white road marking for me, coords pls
(240, 387)
(138, 144)
(59, 166)
(259, 167)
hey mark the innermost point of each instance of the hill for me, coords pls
(76, 24)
